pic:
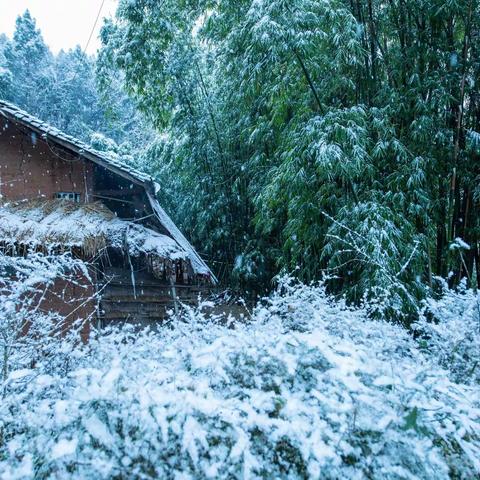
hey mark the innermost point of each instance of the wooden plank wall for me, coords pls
(145, 304)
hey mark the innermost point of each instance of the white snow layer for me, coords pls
(308, 389)
(61, 223)
(198, 264)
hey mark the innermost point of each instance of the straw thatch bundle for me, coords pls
(61, 224)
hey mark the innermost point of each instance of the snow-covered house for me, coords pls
(57, 194)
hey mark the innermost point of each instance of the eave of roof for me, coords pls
(197, 262)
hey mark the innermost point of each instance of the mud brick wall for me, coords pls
(31, 167)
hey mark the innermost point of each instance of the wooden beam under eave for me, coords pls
(117, 193)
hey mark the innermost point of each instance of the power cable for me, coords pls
(94, 26)
(89, 39)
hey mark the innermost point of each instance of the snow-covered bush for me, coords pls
(309, 388)
(29, 330)
(449, 329)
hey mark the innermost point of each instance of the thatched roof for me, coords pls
(90, 227)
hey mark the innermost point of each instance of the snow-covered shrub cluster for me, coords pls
(29, 330)
(308, 388)
(450, 332)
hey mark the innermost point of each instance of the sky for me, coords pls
(64, 23)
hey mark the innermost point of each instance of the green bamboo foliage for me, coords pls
(317, 136)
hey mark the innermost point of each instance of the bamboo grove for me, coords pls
(321, 137)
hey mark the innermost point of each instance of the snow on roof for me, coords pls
(48, 132)
(199, 266)
(91, 227)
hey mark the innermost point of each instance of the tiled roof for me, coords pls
(12, 112)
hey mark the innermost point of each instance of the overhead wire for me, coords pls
(92, 31)
(94, 26)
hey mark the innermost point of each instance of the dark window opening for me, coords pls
(72, 196)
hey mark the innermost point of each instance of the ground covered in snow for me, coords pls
(307, 388)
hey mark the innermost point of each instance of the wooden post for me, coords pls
(174, 295)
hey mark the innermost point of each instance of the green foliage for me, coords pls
(27, 58)
(323, 136)
(63, 90)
